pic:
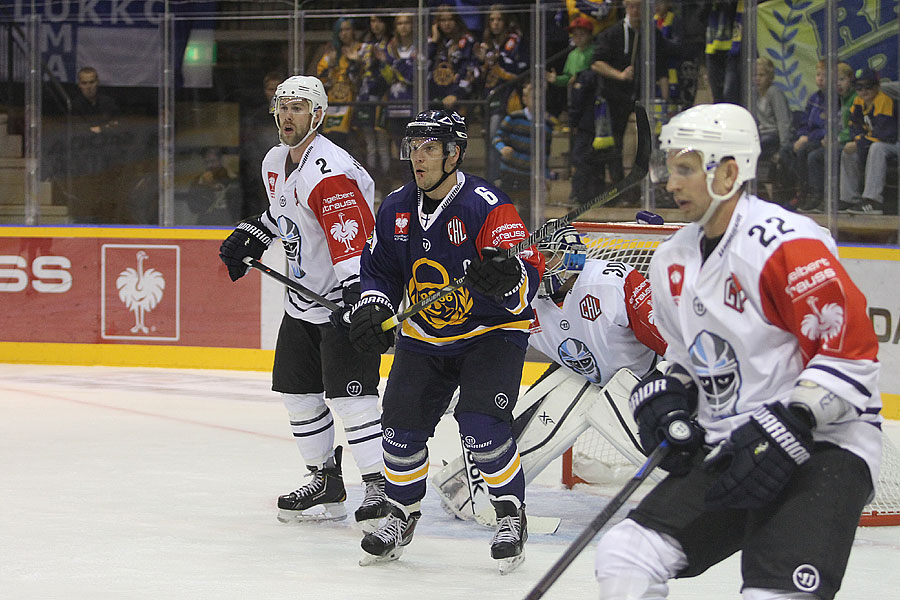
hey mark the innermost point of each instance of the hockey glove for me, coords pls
(250, 238)
(350, 295)
(759, 458)
(365, 325)
(663, 409)
(494, 275)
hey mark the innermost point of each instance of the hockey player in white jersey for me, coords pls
(594, 318)
(321, 207)
(772, 352)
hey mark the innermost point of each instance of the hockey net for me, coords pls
(593, 460)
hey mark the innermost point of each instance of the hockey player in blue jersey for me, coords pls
(435, 229)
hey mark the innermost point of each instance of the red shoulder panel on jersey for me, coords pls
(344, 216)
(806, 291)
(639, 306)
(504, 228)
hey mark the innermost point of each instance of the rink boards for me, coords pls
(161, 297)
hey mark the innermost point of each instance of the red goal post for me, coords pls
(594, 461)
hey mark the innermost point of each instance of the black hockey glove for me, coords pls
(759, 458)
(663, 409)
(365, 325)
(250, 238)
(350, 296)
(494, 275)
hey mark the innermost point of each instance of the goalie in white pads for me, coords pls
(771, 349)
(321, 206)
(594, 318)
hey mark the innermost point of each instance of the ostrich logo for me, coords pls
(825, 323)
(345, 231)
(140, 291)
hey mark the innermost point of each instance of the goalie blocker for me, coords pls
(548, 419)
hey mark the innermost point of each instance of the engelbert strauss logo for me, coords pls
(140, 292)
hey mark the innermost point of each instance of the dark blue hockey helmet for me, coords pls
(446, 126)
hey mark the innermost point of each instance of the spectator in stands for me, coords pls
(340, 70)
(257, 136)
(452, 68)
(586, 163)
(369, 117)
(873, 129)
(94, 157)
(501, 56)
(215, 196)
(399, 73)
(681, 93)
(723, 49)
(616, 59)
(513, 144)
(816, 159)
(809, 149)
(773, 116)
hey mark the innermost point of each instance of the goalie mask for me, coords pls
(564, 254)
(715, 132)
(444, 126)
(299, 95)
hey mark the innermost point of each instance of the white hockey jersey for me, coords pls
(604, 324)
(771, 304)
(323, 211)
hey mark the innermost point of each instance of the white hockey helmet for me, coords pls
(301, 87)
(715, 132)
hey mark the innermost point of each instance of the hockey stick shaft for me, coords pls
(303, 291)
(635, 176)
(597, 524)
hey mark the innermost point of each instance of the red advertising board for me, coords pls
(124, 291)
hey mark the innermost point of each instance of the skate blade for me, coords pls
(322, 512)
(508, 565)
(368, 560)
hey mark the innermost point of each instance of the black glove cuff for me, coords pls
(522, 279)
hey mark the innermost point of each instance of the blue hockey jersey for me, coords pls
(412, 255)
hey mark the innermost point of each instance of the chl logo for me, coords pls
(354, 388)
(590, 307)
(806, 578)
(456, 231)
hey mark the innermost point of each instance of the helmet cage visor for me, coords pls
(410, 144)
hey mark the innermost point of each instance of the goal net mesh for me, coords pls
(593, 460)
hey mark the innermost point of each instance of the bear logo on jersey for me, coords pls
(716, 365)
(577, 356)
(429, 277)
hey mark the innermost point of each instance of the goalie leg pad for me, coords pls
(553, 420)
(362, 425)
(632, 559)
(312, 425)
(405, 464)
(490, 441)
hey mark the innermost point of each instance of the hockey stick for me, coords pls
(597, 524)
(634, 177)
(303, 291)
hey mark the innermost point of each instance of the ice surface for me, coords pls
(158, 483)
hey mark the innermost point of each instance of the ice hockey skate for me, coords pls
(374, 506)
(509, 539)
(386, 543)
(322, 499)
